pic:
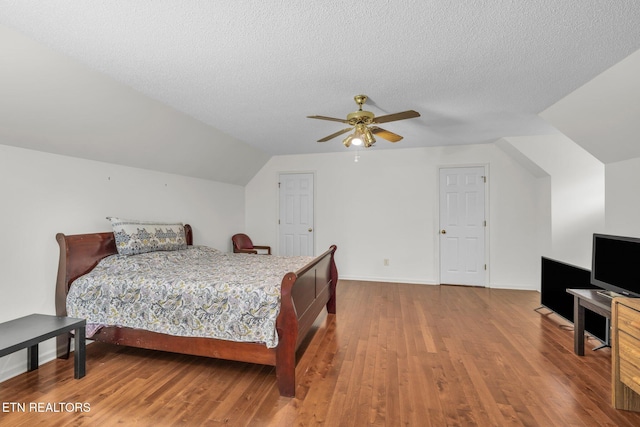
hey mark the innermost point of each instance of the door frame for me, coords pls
(487, 229)
(278, 175)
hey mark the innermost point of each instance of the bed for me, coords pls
(303, 295)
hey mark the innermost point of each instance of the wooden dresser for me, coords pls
(625, 345)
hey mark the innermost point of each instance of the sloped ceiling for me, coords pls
(603, 116)
(235, 79)
(52, 103)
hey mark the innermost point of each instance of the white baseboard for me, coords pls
(16, 363)
(389, 280)
(430, 282)
(516, 287)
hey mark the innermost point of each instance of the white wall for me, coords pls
(386, 206)
(623, 198)
(577, 194)
(42, 194)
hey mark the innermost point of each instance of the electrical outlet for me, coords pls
(386, 262)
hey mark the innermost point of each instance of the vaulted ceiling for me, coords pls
(200, 88)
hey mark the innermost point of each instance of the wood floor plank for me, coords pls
(394, 355)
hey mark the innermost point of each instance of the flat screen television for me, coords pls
(556, 277)
(616, 264)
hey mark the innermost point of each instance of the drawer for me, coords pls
(629, 357)
(629, 320)
(630, 375)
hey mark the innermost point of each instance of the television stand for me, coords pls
(609, 294)
(588, 299)
(607, 341)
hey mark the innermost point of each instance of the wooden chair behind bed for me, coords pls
(242, 244)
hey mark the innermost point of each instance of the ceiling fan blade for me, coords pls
(396, 116)
(328, 118)
(389, 136)
(333, 135)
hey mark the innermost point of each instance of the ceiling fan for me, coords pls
(362, 121)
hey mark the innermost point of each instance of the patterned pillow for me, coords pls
(138, 237)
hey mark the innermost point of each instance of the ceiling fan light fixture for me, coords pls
(360, 135)
(347, 141)
(369, 140)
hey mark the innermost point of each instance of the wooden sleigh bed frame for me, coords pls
(304, 294)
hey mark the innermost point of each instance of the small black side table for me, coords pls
(592, 300)
(27, 332)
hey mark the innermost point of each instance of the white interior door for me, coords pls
(296, 232)
(462, 226)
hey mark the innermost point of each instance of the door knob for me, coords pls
(310, 230)
(443, 232)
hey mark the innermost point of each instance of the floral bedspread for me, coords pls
(196, 292)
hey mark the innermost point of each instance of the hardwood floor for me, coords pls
(394, 355)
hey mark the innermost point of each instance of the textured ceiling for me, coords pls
(475, 70)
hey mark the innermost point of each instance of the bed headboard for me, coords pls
(79, 253)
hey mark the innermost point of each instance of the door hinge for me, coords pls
(485, 222)
(278, 185)
(485, 266)
(484, 178)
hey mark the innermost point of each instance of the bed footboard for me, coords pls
(305, 293)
